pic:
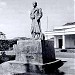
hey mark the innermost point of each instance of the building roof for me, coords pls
(67, 29)
(71, 23)
(1, 33)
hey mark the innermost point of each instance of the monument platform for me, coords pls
(15, 67)
(33, 56)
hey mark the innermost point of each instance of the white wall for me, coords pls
(70, 41)
(48, 37)
(56, 44)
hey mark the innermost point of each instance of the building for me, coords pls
(2, 36)
(64, 36)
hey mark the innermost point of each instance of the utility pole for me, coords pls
(47, 23)
(47, 27)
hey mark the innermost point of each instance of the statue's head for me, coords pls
(34, 4)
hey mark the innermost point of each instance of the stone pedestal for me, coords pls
(35, 51)
(31, 55)
(29, 51)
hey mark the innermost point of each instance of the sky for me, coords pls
(15, 15)
(74, 10)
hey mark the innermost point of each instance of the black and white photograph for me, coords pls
(37, 37)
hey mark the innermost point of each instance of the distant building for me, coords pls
(64, 36)
(2, 36)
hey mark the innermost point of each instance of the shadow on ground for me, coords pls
(56, 72)
(47, 70)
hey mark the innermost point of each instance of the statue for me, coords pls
(36, 15)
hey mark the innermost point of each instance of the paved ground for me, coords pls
(65, 55)
(69, 66)
(69, 62)
(67, 69)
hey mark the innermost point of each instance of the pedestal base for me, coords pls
(15, 67)
(32, 56)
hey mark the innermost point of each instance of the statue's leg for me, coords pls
(33, 35)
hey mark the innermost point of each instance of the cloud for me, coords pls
(3, 3)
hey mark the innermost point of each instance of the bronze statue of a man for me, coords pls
(36, 15)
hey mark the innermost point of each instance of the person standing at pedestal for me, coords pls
(36, 15)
